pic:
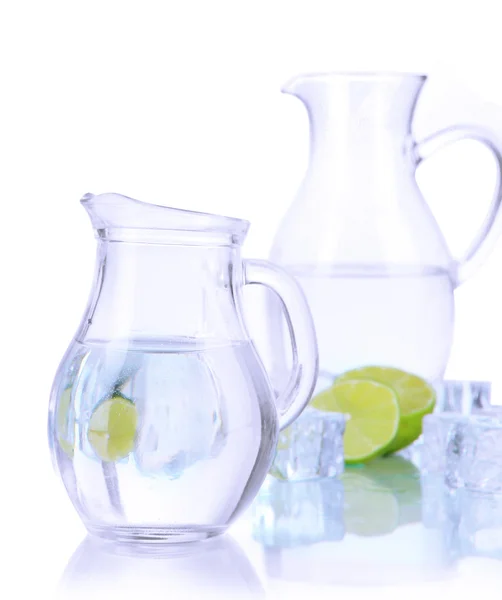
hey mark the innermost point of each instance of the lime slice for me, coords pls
(374, 416)
(62, 422)
(415, 396)
(369, 508)
(112, 428)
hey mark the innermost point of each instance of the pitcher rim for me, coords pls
(359, 75)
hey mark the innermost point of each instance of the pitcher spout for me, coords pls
(295, 85)
(114, 214)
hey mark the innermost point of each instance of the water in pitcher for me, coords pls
(182, 404)
(390, 316)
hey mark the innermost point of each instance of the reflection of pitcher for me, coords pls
(216, 568)
(360, 238)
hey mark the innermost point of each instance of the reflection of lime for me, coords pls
(415, 396)
(393, 470)
(62, 424)
(410, 503)
(381, 495)
(403, 478)
(112, 428)
(277, 473)
(370, 509)
(374, 416)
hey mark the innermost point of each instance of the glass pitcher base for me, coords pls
(146, 535)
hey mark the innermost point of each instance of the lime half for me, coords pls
(374, 416)
(415, 396)
(112, 428)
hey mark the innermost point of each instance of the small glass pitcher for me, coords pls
(361, 239)
(162, 420)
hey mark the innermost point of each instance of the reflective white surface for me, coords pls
(391, 540)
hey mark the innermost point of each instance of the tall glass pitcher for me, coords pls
(360, 238)
(162, 420)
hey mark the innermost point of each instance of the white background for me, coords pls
(179, 103)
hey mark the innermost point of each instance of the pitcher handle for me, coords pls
(293, 399)
(491, 227)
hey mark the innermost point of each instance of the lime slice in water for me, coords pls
(374, 416)
(62, 424)
(415, 396)
(112, 428)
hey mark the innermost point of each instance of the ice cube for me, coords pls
(474, 454)
(179, 414)
(437, 432)
(462, 396)
(457, 397)
(311, 447)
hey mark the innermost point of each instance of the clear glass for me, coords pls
(360, 238)
(162, 420)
